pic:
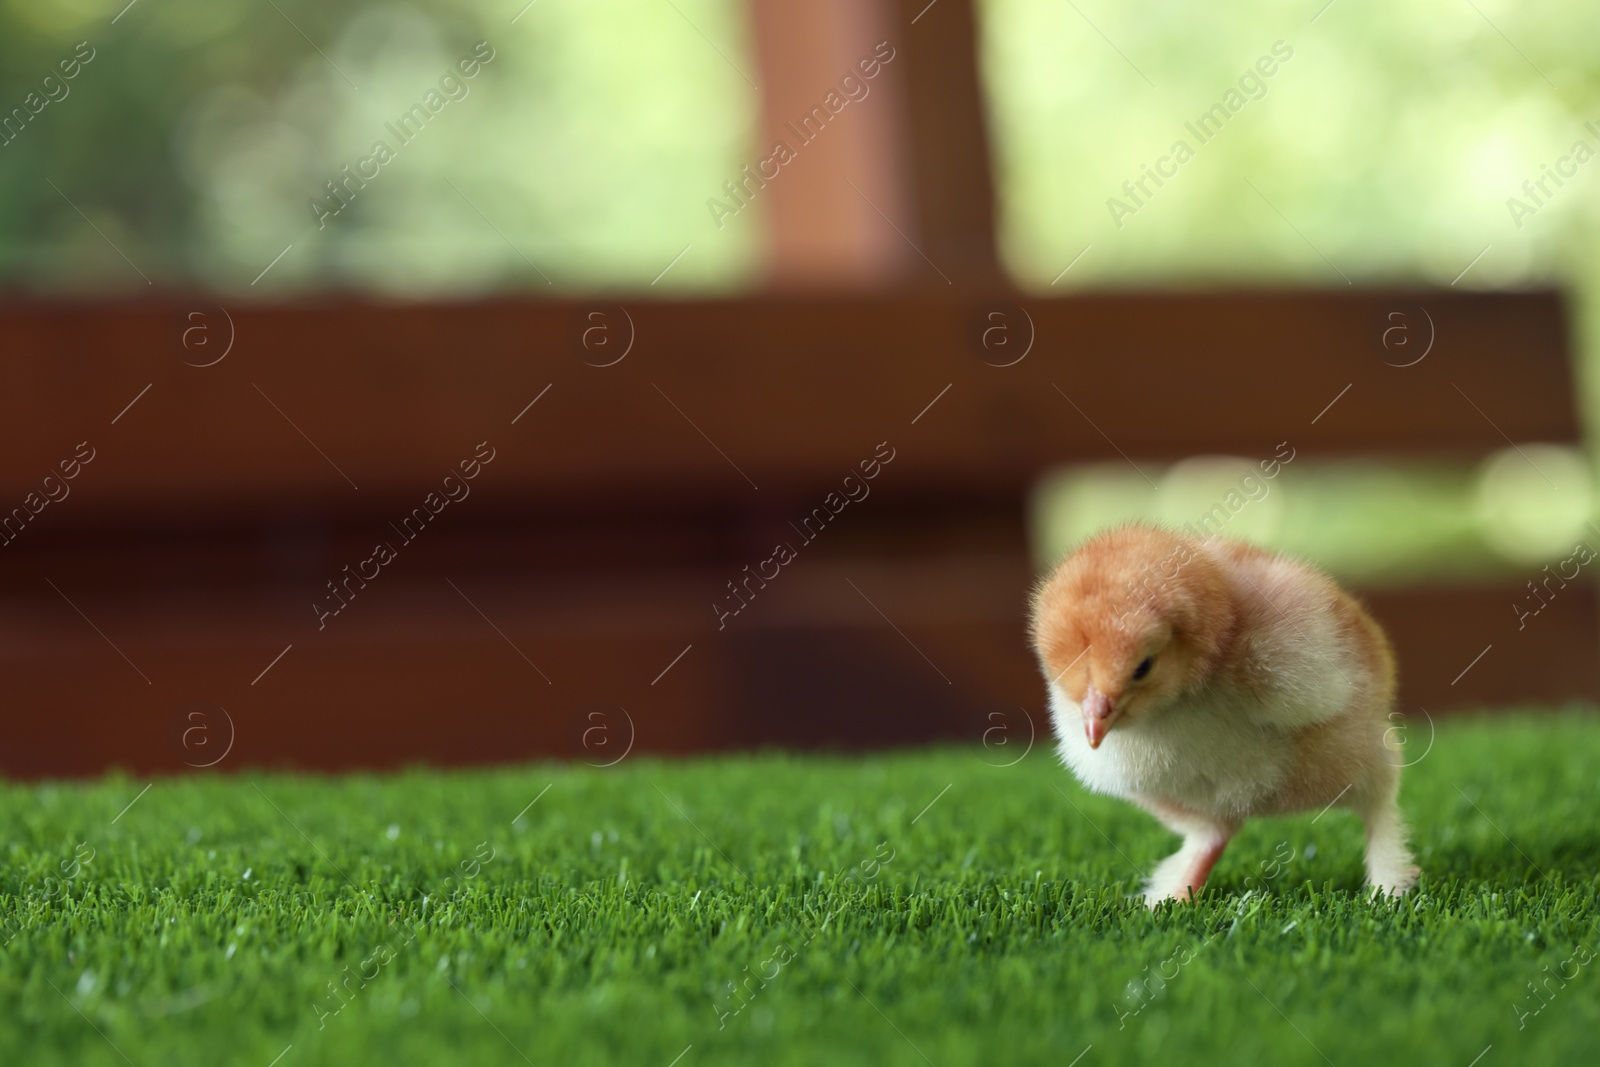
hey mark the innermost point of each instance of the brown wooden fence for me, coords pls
(269, 551)
(214, 570)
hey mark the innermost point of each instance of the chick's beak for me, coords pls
(1098, 715)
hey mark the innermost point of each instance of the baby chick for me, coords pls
(1209, 681)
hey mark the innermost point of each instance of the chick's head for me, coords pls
(1128, 623)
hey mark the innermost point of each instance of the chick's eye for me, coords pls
(1143, 668)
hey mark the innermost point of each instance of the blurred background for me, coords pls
(681, 266)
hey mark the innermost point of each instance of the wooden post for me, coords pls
(893, 189)
(948, 134)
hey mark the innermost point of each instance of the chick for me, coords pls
(1209, 681)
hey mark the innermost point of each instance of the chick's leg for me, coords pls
(1182, 874)
(1390, 869)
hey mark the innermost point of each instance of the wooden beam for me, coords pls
(447, 661)
(713, 398)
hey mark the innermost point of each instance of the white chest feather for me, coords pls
(1207, 756)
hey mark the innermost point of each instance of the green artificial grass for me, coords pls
(913, 908)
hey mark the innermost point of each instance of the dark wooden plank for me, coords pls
(790, 391)
(1465, 647)
(413, 674)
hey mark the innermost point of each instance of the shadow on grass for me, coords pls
(1562, 859)
(1566, 857)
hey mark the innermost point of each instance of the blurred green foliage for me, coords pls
(199, 134)
(190, 150)
(1370, 522)
(1384, 150)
